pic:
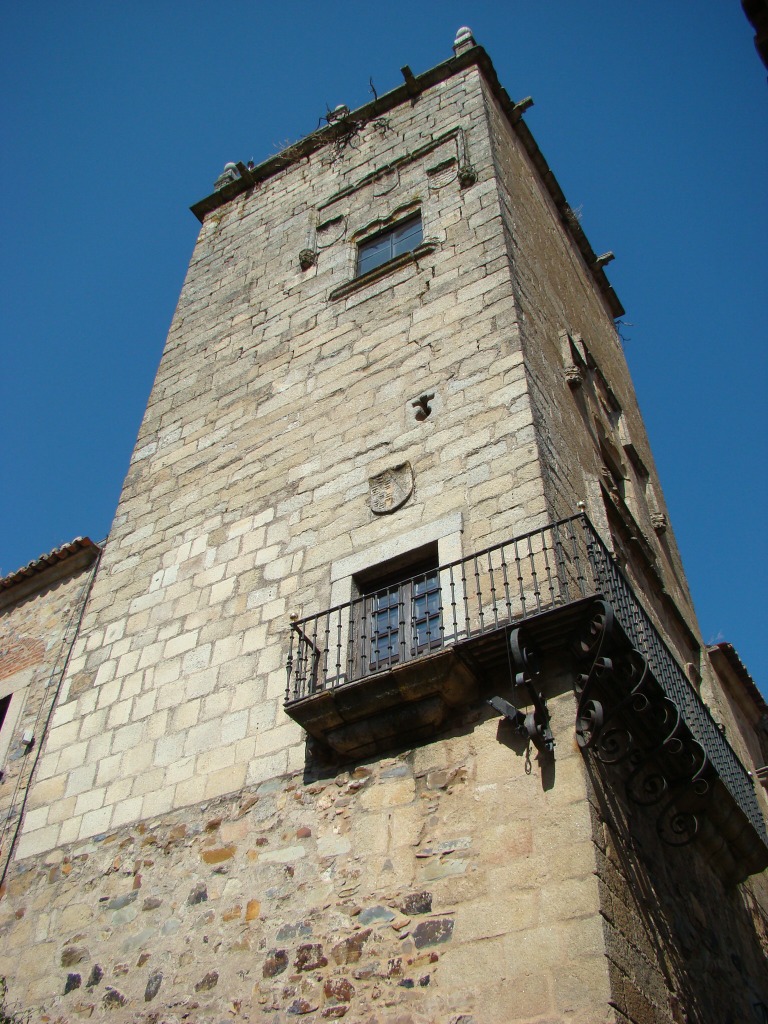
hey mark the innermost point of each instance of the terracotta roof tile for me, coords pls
(44, 562)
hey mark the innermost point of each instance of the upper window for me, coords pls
(384, 246)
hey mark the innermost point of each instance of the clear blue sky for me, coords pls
(116, 117)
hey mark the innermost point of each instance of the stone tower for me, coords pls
(388, 697)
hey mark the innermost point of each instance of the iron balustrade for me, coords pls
(644, 636)
(484, 592)
(488, 591)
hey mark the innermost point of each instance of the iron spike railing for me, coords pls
(479, 594)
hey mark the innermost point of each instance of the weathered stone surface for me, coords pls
(416, 903)
(349, 950)
(300, 1007)
(154, 981)
(310, 957)
(207, 982)
(276, 962)
(372, 915)
(219, 854)
(73, 981)
(113, 999)
(94, 977)
(338, 989)
(198, 895)
(299, 929)
(432, 932)
(122, 901)
(72, 955)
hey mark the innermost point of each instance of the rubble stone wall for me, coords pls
(449, 883)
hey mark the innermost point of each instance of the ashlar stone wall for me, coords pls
(557, 300)
(274, 405)
(681, 946)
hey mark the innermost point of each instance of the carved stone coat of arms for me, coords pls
(391, 489)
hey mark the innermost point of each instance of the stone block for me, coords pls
(94, 822)
(227, 780)
(32, 843)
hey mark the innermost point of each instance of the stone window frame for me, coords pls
(381, 226)
(446, 533)
(403, 587)
(419, 201)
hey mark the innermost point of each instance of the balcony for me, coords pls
(389, 669)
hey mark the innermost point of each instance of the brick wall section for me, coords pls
(19, 652)
(443, 884)
(37, 627)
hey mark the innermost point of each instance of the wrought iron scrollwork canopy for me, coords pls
(624, 717)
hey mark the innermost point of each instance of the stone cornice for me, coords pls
(413, 87)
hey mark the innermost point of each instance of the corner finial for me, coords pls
(464, 40)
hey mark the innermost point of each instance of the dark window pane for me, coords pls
(406, 237)
(390, 243)
(373, 254)
(5, 703)
(403, 617)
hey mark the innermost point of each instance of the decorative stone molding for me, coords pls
(604, 259)
(467, 175)
(422, 409)
(230, 173)
(574, 376)
(427, 246)
(659, 522)
(464, 40)
(307, 258)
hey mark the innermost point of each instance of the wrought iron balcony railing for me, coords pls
(541, 579)
(479, 594)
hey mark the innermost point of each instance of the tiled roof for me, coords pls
(44, 562)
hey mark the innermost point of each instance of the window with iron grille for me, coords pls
(400, 615)
(386, 245)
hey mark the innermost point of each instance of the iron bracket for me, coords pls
(533, 724)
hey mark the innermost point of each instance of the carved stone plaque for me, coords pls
(391, 489)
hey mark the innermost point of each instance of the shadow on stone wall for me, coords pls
(682, 947)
